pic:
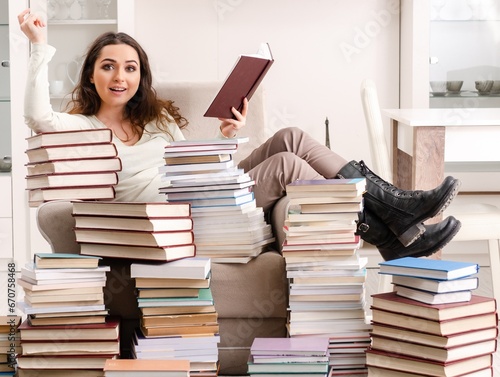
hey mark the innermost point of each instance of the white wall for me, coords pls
(323, 50)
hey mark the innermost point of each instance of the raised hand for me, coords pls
(32, 26)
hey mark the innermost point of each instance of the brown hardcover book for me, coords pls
(179, 319)
(129, 209)
(71, 180)
(427, 367)
(165, 253)
(392, 302)
(71, 347)
(242, 82)
(131, 367)
(73, 137)
(60, 298)
(148, 282)
(172, 310)
(132, 223)
(168, 292)
(134, 238)
(51, 362)
(105, 331)
(7, 323)
(35, 287)
(204, 159)
(87, 165)
(417, 337)
(38, 196)
(181, 330)
(61, 260)
(384, 372)
(409, 348)
(59, 373)
(444, 327)
(64, 321)
(71, 152)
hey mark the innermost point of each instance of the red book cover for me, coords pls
(242, 82)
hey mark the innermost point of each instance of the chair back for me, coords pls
(379, 149)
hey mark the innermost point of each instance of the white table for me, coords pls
(418, 141)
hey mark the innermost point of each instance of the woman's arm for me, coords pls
(38, 112)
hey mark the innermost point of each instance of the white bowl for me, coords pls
(484, 86)
(438, 86)
(454, 86)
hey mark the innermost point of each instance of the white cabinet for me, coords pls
(5, 218)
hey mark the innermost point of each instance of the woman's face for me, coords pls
(116, 74)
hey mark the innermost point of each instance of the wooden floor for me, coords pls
(483, 290)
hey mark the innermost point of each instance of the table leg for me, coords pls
(428, 157)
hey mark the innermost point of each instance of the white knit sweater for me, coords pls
(139, 179)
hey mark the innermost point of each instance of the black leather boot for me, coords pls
(402, 211)
(373, 230)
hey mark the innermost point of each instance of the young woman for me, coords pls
(115, 91)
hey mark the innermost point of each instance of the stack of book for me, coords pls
(71, 165)
(150, 231)
(432, 281)
(228, 226)
(326, 274)
(427, 326)
(149, 368)
(179, 320)
(10, 344)
(306, 356)
(67, 328)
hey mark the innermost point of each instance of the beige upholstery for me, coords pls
(251, 299)
(480, 222)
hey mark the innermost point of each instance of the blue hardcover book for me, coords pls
(428, 268)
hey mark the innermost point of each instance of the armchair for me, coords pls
(251, 299)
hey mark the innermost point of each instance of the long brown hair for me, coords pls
(143, 107)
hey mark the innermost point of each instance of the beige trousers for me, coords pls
(288, 155)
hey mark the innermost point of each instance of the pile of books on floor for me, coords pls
(179, 320)
(228, 226)
(146, 368)
(67, 331)
(71, 165)
(150, 231)
(432, 324)
(306, 356)
(326, 274)
(10, 344)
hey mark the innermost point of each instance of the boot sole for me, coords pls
(415, 231)
(441, 244)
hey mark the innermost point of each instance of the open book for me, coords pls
(242, 82)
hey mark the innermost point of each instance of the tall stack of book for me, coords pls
(71, 165)
(179, 320)
(326, 274)
(228, 226)
(10, 344)
(432, 324)
(150, 231)
(148, 368)
(306, 356)
(67, 330)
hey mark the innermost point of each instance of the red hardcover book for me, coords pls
(392, 302)
(45, 139)
(426, 367)
(242, 82)
(165, 254)
(101, 331)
